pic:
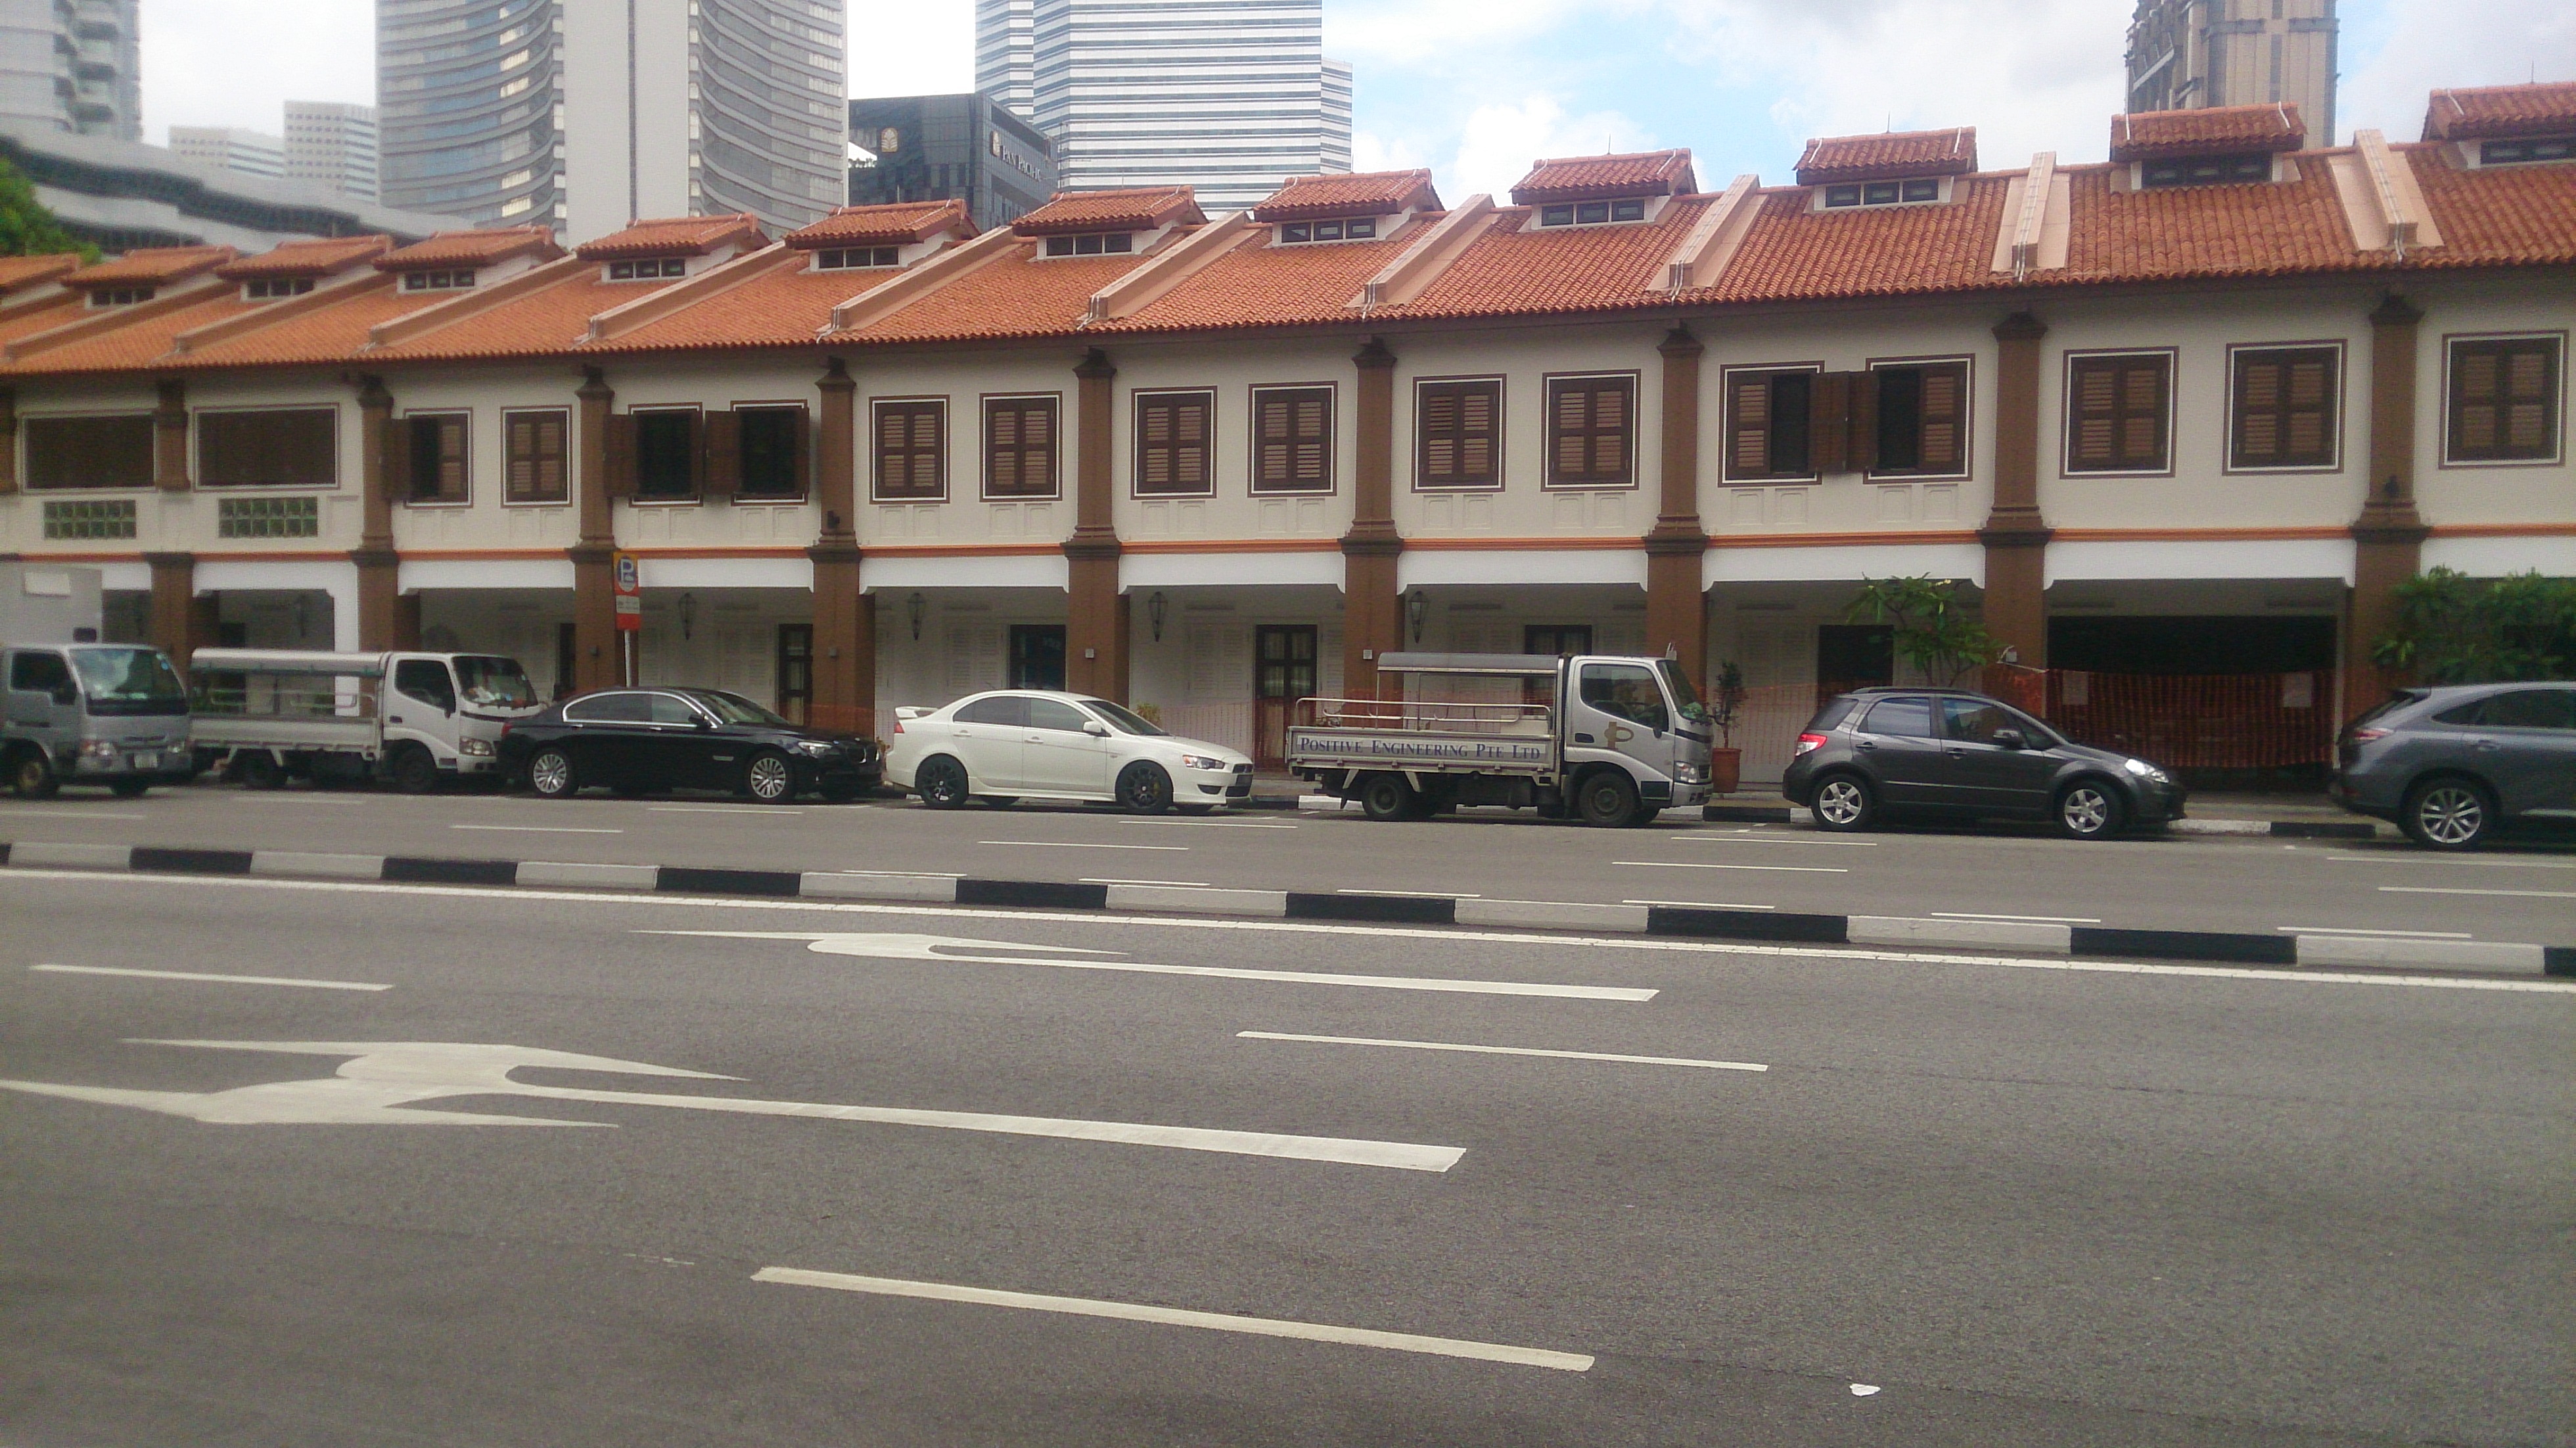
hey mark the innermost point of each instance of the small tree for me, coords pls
(26, 227)
(1726, 701)
(1931, 629)
(2454, 629)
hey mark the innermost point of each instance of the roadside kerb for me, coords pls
(1721, 812)
(2091, 941)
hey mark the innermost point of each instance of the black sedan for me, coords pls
(647, 741)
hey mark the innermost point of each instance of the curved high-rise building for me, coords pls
(470, 102)
(74, 67)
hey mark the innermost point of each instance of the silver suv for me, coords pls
(2450, 766)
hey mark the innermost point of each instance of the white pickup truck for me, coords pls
(267, 715)
(1610, 740)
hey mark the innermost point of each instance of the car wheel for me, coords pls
(770, 778)
(129, 788)
(941, 782)
(2448, 814)
(1143, 788)
(31, 777)
(1386, 797)
(1844, 802)
(552, 776)
(414, 771)
(259, 769)
(2090, 809)
(1607, 798)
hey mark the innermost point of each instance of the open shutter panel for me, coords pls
(1439, 437)
(1154, 442)
(1273, 422)
(720, 463)
(1190, 443)
(2096, 420)
(1749, 421)
(1829, 412)
(1477, 405)
(802, 441)
(1314, 440)
(396, 455)
(2530, 387)
(1860, 450)
(519, 459)
(1945, 388)
(2142, 414)
(1571, 420)
(620, 482)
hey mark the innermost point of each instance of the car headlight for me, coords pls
(1201, 761)
(98, 749)
(2146, 771)
(481, 748)
(1689, 773)
(817, 747)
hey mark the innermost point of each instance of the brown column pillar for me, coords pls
(595, 658)
(2015, 535)
(1676, 608)
(845, 620)
(1372, 608)
(8, 441)
(170, 437)
(380, 601)
(1095, 644)
(2388, 537)
(178, 626)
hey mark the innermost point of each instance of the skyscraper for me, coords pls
(1229, 96)
(74, 67)
(252, 153)
(969, 148)
(590, 113)
(332, 145)
(2190, 54)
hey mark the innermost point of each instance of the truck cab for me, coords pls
(111, 714)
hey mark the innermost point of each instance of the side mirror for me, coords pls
(701, 721)
(1095, 728)
(67, 696)
(2011, 739)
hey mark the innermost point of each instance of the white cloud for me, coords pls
(918, 48)
(237, 62)
(1373, 152)
(2441, 44)
(1501, 140)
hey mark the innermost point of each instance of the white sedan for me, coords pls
(1025, 744)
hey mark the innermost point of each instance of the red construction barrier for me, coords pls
(2198, 721)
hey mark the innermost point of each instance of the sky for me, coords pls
(1477, 89)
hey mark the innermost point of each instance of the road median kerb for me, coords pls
(1750, 926)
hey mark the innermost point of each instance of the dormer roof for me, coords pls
(675, 236)
(151, 266)
(1894, 156)
(319, 257)
(17, 273)
(2211, 131)
(1607, 178)
(898, 223)
(1372, 193)
(2498, 112)
(473, 248)
(1142, 209)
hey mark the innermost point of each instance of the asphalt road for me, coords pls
(2022, 1204)
(2525, 893)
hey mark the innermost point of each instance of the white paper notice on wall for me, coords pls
(46, 583)
(2298, 691)
(2075, 688)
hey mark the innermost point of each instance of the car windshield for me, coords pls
(129, 681)
(494, 683)
(1121, 720)
(1685, 698)
(735, 709)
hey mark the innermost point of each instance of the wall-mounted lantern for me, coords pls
(1417, 606)
(1155, 608)
(688, 615)
(916, 608)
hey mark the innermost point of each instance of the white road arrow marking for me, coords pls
(383, 1076)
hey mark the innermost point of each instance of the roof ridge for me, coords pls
(226, 328)
(449, 311)
(687, 292)
(110, 319)
(919, 280)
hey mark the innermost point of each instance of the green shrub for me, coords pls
(2454, 629)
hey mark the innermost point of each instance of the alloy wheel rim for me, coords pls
(768, 778)
(1840, 803)
(2085, 811)
(550, 772)
(2451, 816)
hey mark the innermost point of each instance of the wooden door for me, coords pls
(1283, 672)
(795, 671)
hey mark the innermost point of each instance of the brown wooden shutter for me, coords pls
(620, 482)
(89, 452)
(398, 443)
(1172, 442)
(1945, 417)
(1748, 426)
(535, 444)
(801, 437)
(2504, 400)
(2116, 417)
(1829, 423)
(1591, 429)
(2284, 409)
(1292, 440)
(721, 454)
(1860, 429)
(909, 438)
(1019, 447)
(1461, 434)
(448, 444)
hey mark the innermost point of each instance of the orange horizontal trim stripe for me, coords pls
(1838, 540)
(479, 555)
(1613, 543)
(746, 551)
(964, 550)
(1229, 545)
(2201, 535)
(134, 557)
(2507, 530)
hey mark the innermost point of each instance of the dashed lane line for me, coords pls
(2445, 890)
(1081, 845)
(540, 829)
(1502, 1051)
(2418, 857)
(1705, 865)
(205, 976)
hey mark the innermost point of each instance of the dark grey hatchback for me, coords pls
(2452, 765)
(1943, 753)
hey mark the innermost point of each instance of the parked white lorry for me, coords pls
(74, 710)
(1609, 740)
(415, 719)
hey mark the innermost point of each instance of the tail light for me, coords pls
(898, 724)
(1810, 743)
(2363, 736)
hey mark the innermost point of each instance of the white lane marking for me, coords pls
(1532, 1357)
(539, 829)
(2419, 857)
(1414, 894)
(1502, 1051)
(2354, 930)
(757, 809)
(629, 901)
(1723, 839)
(383, 1076)
(1704, 865)
(201, 975)
(15, 813)
(930, 947)
(1183, 884)
(1699, 905)
(2040, 919)
(1081, 845)
(2439, 890)
(1215, 824)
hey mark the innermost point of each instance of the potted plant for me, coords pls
(1726, 703)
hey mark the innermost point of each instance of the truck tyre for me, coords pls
(770, 778)
(128, 788)
(413, 771)
(1390, 797)
(552, 776)
(941, 782)
(2090, 809)
(2448, 813)
(1143, 788)
(1844, 803)
(259, 769)
(31, 776)
(1607, 798)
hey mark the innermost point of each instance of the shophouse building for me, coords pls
(2190, 413)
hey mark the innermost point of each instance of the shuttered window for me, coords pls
(283, 448)
(534, 468)
(2117, 414)
(1292, 439)
(2504, 400)
(1591, 432)
(1460, 427)
(2281, 413)
(771, 445)
(911, 448)
(1922, 419)
(1766, 425)
(1174, 432)
(89, 452)
(433, 457)
(1020, 447)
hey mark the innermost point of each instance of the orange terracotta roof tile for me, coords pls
(550, 321)
(2546, 109)
(1020, 294)
(1256, 284)
(2256, 229)
(1374, 193)
(892, 224)
(1141, 209)
(319, 257)
(675, 236)
(1603, 178)
(1794, 251)
(1889, 157)
(42, 314)
(17, 273)
(1557, 269)
(2162, 135)
(139, 342)
(784, 307)
(473, 248)
(151, 266)
(333, 333)
(2508, 215)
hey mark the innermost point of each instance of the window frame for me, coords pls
(984, 405)
(203, 475)
(1502, 427)
(2228, 444)
(1549, 480)
(876, 453)
(569, 455)
(27, 454)
(1727, 473)
(800, 469)
(697, 493)
(464, 419)
(2558, 403)
(2068, 412)
(1966, 362)
(1137, 400)
(1252, 483)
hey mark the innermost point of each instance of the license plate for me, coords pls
(147, 761)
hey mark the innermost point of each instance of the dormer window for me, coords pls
(2522, 151)
(120, 296)
(437, 281)
(269, 289)
(1592, 213)
(2206, 170)
(1092, 243)
(857, 258)
(649, 269)
(1358, 228)
(1884, 193)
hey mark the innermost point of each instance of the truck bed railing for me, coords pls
(279, 698)
(1424, 716)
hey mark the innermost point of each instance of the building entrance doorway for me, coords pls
(1037, 656)
(1283, 672)
(1853, 656)
(795, 671)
